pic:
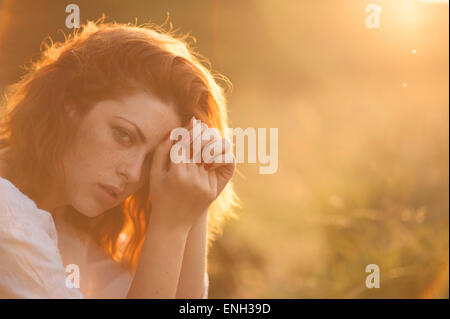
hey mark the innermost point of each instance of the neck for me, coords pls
(52, 200)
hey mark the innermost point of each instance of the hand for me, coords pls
(182, 192)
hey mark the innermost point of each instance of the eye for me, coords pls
(123, 135)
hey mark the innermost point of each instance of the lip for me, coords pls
(117, 191)
(105, 195)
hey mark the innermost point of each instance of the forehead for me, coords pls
(153, 116)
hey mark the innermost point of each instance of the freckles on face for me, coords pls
(113, 146)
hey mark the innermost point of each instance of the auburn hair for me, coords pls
(106, 61)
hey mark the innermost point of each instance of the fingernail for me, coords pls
(190, 120)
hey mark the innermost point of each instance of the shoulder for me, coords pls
(11, 195)
(20, 212)
(30, 263)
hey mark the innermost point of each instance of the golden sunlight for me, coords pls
(435, 1)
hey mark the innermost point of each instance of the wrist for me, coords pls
(159, 220)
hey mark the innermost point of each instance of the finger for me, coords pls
(221, 160)
(209, 135)
(194, 134)
(217, 147)
(188, 126)
(182, 144)
(199, 143)
(180, 153)
(161, 161)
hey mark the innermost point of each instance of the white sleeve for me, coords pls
(30, 263)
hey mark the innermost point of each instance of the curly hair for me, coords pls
(104, 61)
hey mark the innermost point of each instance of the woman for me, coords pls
(86, 181)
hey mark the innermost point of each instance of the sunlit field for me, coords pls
(363, 120)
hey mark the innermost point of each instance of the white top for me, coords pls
(36, 251)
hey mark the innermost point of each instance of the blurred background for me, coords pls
(363, 136)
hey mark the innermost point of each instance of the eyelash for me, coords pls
(120, 131)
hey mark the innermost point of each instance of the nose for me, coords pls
(131, 170)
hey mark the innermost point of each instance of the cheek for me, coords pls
(92, 151)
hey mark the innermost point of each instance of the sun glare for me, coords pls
(435, 1)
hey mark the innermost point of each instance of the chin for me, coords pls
(92, 214)
(86, 202)
(89, 209)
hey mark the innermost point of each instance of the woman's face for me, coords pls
(113, 149)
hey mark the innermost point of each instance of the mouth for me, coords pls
(109, 194)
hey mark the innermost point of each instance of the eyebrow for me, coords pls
(141, 135)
